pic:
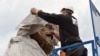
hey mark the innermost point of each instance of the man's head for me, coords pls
(67, 10)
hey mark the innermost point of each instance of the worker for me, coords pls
(68, 29)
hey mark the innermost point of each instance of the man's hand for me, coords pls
(34, 11)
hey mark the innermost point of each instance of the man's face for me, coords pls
(64, 12)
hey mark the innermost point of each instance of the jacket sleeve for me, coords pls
(56, 19)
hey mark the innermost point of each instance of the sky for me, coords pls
(12, 12)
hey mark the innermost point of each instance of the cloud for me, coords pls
(3, 4)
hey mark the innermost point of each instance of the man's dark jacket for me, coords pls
(68, 31)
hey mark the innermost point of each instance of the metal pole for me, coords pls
(93, 48)
(96, 51)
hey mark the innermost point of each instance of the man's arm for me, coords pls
(53, 18)
(56, 19)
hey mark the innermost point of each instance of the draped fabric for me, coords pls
(24, 46)
(31, 19)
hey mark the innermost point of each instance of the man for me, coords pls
(68, 29)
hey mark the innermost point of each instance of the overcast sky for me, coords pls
(13, 11)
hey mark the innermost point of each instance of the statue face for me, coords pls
(43, 39)
(45, 31)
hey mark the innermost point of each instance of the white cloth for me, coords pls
(31, 19)
(24, 46)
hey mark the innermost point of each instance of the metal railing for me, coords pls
(54, 51)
